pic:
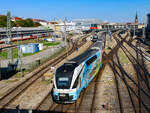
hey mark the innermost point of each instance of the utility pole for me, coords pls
(134, 31)
(10, 52)
(105, 39)
(143, 32)
(65, 35)
(20, 56)
(65, 32)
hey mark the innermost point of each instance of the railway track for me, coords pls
(135, 48)
(80, 106)
(134, 90)
(83, 105)
(36, 74)
(136, 64)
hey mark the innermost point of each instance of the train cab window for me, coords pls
(91, 60)
(64, 75)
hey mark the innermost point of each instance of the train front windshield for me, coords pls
(64, 75)
(95, 37)
(63, 83)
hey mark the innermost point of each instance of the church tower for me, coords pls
(136, 19)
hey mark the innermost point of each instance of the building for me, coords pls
(148, 21)
(69, 26)
(52, 25)
(85, 24)
(16, 18)
(42, 22)
(148, 27)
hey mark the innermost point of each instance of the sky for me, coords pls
(105, 10)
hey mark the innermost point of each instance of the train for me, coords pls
(71, 78)
(25, 37)
(94, 27)
(94, 38)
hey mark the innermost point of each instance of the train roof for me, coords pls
(79, 59)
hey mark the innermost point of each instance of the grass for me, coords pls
(4, 54)
(10, 81)
(46, 82)
(19, 74)
(123, 58)
(34, 64)
(29, 54)
(50, 43)
(29, 41)
(109, 48)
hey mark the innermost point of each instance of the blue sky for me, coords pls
(110, 10)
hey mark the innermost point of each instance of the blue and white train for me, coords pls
(75, 75)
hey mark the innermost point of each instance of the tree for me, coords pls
(36, 24)
(29, 22)
(13, 24)
(3, 21)
(19, 23)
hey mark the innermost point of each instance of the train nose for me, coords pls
(63, 98)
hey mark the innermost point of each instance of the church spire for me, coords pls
(136, 18)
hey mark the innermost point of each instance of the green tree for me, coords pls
(13, 24)
(21, 23)
(36, 24)
(29, 22)
(3, 21)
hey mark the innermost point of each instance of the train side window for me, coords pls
(91, 60)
